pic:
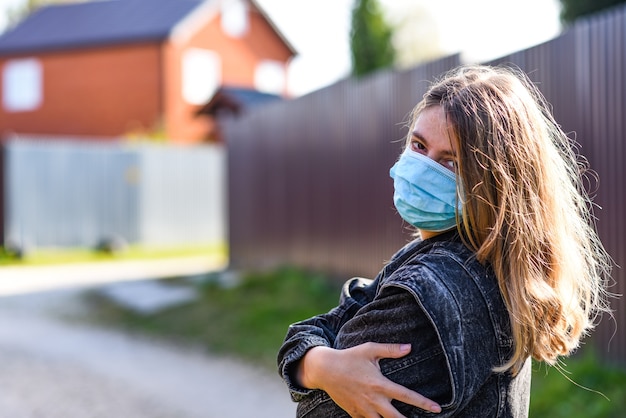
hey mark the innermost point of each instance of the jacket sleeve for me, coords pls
(321, 330)
(395, 316)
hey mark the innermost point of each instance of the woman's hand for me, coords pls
(352, 378)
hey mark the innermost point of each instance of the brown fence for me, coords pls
(308, 178)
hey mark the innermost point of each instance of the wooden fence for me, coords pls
(308, 178)
(68, 193)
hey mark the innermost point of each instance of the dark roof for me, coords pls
(95, 23)
(235, 99)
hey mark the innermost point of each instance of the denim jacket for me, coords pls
(434, 295)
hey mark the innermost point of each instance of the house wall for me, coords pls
(239, 58)
(108, 91)
(137, 89)
(242, 55)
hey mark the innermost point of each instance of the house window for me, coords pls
(22, 85)
(234, 17)
(269, 77)
(202, 75)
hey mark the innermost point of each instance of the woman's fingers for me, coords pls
(410, 397)
(388, 350)
(378, 351)
(353, 379)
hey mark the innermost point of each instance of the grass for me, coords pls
(52, 256)
(585, 389)
(250, 320)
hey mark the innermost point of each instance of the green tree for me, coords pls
(416, 37)
(370, 38)
(573, 9)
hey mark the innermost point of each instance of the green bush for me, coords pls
(248, 320)
(584, 389)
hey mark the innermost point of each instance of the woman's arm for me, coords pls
(353, 379)
(321, 330)
(370, 367)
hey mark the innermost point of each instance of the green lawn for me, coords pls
(250, 319)
(584, 389)
(84, 255)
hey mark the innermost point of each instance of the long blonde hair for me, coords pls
(525, 209)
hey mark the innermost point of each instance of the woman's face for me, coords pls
(431, 136)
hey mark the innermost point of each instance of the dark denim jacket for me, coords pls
(436, 296)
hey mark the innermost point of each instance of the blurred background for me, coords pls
(181, 179)
(320, 31)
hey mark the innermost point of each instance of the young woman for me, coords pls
(508, 266)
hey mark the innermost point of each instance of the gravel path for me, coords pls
(52, 368)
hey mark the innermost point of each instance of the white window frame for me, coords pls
(270, 77)
(235, 18)
(201, 75)
(22, 85)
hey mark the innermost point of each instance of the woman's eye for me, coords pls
(417, 146)
(449, 164)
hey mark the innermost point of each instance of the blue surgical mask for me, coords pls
(425, 192)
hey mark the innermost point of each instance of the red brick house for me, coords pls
(113, 68)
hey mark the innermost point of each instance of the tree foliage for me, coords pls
(574, 9)
(416, 34)
(370, 38)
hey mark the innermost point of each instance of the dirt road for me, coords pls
(54, 368)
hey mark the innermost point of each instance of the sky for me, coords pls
(319, 31)
(479, 29)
